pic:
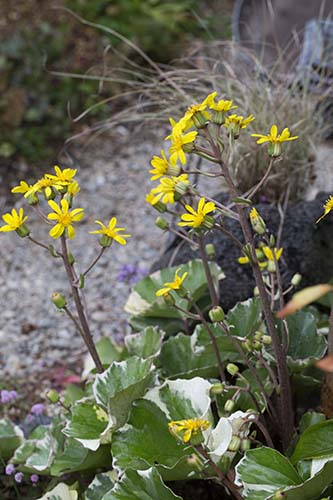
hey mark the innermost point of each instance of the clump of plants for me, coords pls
(195, 392)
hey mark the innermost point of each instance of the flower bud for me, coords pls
(258, 335)
(235, 443)
(59, 300)
(272, 241)
(257, 222)
(266, 339)
(22, 231)
(271, 267)
(71, 259)
(256, 344)
(161, 223)
(256, 292)
(248, 345)
(216, 314)
(245, 444)
(216, 389)
(229, 405)
(296, 279)
(194, 462)
(53, 396)
(210, 251)
(232, 369)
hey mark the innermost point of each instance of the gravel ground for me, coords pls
(34, 336)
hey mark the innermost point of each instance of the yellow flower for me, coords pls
(167, 188)
(328, 206)
(179, 142)
(191, 426)
(257, 222)
(273, 137)
(64, 218)
(176, 284)
(196, 114)
(14, 222)
(45, 184)
(22, 188)
(163, 167)
(199, 217)
(238, 121)
(111, 231)
(62, 176)
(270, 255)
(222, 105)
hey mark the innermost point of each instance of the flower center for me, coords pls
(65, 219)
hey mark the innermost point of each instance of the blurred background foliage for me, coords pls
(37, 40)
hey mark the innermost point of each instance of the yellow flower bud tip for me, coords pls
(257, 222)
(59, 300)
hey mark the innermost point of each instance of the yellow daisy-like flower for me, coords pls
(162, 166)
(22, 188)
(62, 176)
(179, 142)
(14, 220)
(238, 121)
(64, 218)
(273, 137)
(191, 426)
(111, 231)
(45, 184)
(197, 114)
(222, 105)
(328, 206)
(197, 218)
(176, 284)
(167, 188)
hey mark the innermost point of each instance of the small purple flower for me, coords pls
(34, 478)
(10, 469)
(37, 409)
(131, 273)
(7, 397)
(18, 477)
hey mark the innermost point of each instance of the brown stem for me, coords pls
(223, 478)
(230, 235)
(265, 433)
(212, 290)
(87, 336)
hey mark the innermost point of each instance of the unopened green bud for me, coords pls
(22, 231)
(235, 443)
(258, 335)
(210, 251)
(260, 254)
(248, 345)
(256, 344)
(296, 279)
(161, 223)
(232, 369)
(257, 222)
(271, 267)
(256, 292)
(53, 396)
(195, 462)
(169, 299)
(245, 444)
(216, 314)
(216, 389)
(59, 300)
(272, 241)
(266, 339)
(229, 405)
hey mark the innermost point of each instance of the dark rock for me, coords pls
(308, 249)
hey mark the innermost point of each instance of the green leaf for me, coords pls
(264, 471)
(75, 457)
(245, 318)
(11, 437)
(101, 484)
(305, 344)
(147, 309)
(60, 492)
(315, 442)
(310, 418)
(122, 383)
(86, 425)
(145, 344)
(141, 485)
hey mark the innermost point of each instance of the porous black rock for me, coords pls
(307, 249)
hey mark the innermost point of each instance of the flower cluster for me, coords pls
(7, 397)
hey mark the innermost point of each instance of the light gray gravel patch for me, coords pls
(33, 334)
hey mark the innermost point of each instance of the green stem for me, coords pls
(212, 290)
